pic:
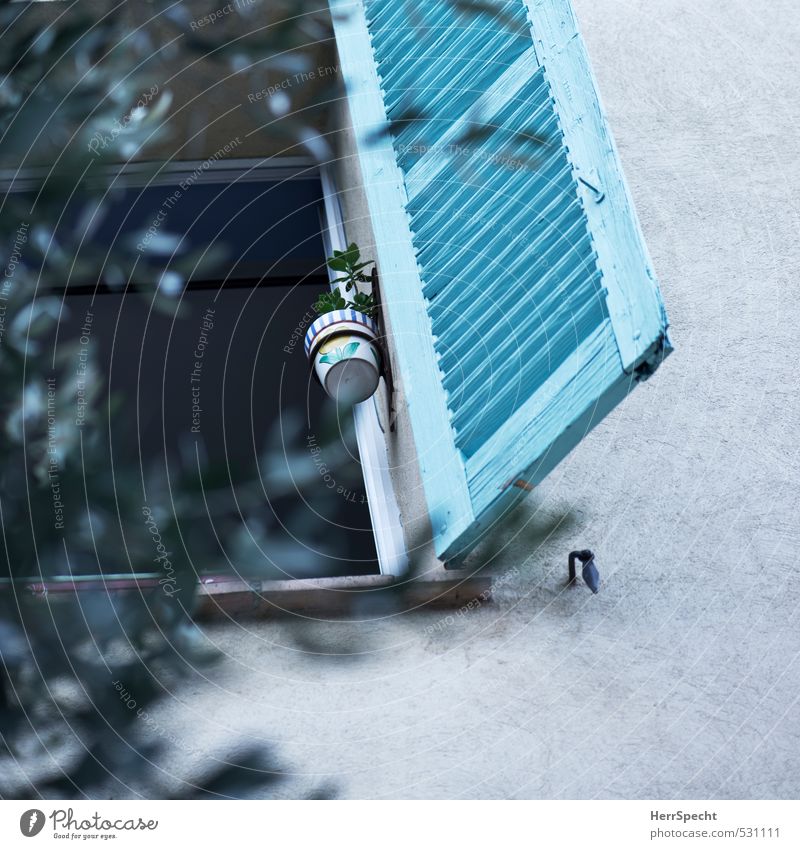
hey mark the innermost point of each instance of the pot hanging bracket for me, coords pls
(383, 343)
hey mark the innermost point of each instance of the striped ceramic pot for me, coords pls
(341, 346)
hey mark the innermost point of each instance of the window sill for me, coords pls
(330, 596)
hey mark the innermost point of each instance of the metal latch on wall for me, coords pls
(589, 571)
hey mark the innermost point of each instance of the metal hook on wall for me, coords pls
(589, 571)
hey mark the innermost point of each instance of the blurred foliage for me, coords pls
(81, 673)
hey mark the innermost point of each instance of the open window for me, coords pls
(206, 386)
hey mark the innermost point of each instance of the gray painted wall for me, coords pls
(681, 678)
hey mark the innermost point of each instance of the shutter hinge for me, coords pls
(519, 483)
(653, 358)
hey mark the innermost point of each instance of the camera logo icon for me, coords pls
(31, 822)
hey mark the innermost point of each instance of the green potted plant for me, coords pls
(341, 343)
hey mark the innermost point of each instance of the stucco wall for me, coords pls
(681, 678)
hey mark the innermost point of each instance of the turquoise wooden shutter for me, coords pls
(519, 291)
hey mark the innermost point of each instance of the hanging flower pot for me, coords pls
(342, 347)
(342, 344)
